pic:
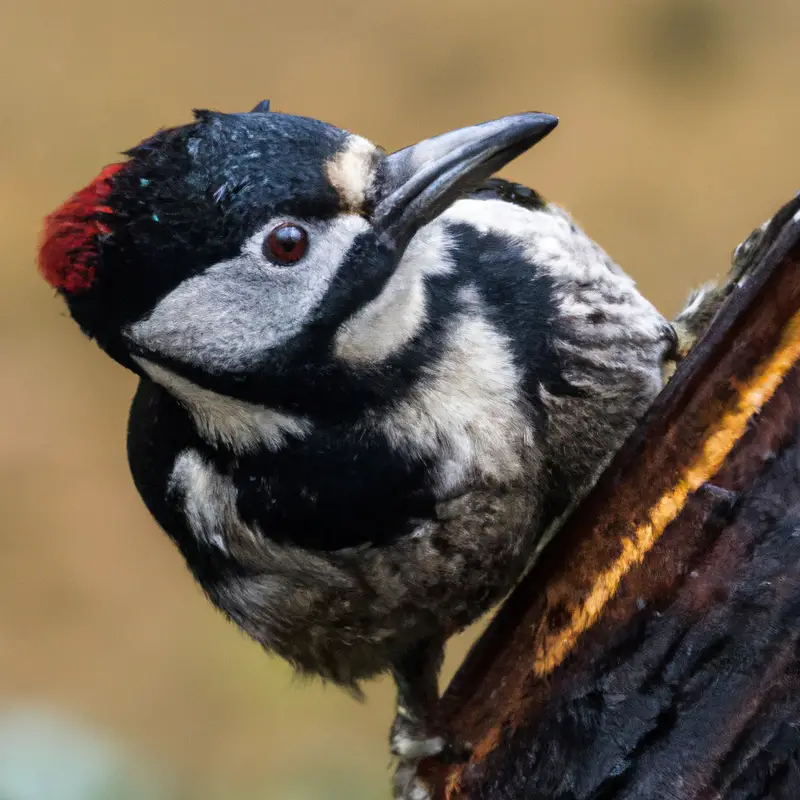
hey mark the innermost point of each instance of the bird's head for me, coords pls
(231, 250)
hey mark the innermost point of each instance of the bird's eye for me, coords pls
(286, 243)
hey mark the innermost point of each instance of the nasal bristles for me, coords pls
(72, 233)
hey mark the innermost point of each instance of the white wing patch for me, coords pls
(587, 280)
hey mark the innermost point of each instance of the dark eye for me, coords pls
(286, 243)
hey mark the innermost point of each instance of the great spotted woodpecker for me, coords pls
(368, 381)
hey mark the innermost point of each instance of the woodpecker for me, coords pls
(369, 382)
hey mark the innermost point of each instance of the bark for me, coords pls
(652, 652)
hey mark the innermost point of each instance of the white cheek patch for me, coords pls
(352, 171)
(222, 420)
(396, 315)
(226, 318)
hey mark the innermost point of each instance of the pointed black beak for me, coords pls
(421, 181)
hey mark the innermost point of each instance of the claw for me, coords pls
(412, 745)
(407, 786)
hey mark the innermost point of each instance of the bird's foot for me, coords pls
(412, 743)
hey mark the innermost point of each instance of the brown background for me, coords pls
(680, 126)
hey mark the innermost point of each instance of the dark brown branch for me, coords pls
(653, 649)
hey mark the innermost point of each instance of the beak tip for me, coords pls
(542, 122)
(427, 177)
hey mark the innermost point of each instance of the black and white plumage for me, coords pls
(357, 452)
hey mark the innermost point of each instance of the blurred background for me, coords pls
(680, 128)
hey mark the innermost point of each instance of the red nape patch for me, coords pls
(67, 256)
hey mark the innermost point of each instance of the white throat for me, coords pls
(222, 420)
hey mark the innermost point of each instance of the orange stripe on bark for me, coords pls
(751, 398)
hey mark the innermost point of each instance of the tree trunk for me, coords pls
(652, 652)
